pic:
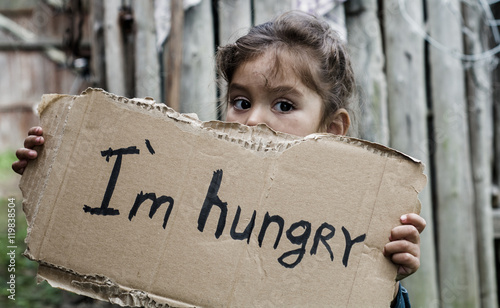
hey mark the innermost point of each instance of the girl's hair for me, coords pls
(314, 51)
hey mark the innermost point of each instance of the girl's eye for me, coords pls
(241, 104)
(283, 106)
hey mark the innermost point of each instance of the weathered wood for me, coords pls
(480, 109)
(97, 61)
(28, 36)
(114, 51)
(496, 129)
(147, 70)
(496, 153)
(198, 86)
(495, 214)
(365, 42)
(458, 273)
(337, 20)
(235, 19)
(408, 115)
(265, 10)
(174, 56)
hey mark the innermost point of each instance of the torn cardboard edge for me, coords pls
(101, 288)
(259, 139)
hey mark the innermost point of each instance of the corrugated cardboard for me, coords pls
(134, 203)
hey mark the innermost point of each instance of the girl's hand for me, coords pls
(27, 153)
(404, 246)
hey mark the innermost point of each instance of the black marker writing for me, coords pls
(349, 243)
(298, 240)
(212, 199)
(150, 148)
(298, 233)
(267, 221)
(248, 230)
(323, 238)
(104, 209)
(157, 202)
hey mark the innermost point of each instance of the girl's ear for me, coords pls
(339, 122)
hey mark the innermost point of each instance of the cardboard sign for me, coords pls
(134, 203)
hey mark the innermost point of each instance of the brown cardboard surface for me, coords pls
(134, 203)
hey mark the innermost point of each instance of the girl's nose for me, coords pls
(257, 115)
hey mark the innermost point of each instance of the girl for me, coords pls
(294, 75)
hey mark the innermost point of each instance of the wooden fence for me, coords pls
(427, 75)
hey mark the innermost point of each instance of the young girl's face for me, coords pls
(282, 101)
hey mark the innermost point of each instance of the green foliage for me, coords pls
(28, 293)
(6, 159)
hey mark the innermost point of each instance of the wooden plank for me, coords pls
(496, 140)
(365, 43)
(337, 20)
(480, 107)
(265, 10)
(19, 5)
(407, 102)
(495, 214)
(174, 56)
(198, 86)
(235, 19)
(97, 61)
(28, 36)
(458, 274)
(114, 53)
(147, 69)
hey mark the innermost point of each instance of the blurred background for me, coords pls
(427, 74)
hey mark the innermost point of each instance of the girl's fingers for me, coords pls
(402, 246)
(26, 154)
(415, 220)
(405, 232)
(36, 130)
(32, 141)
(19, 166)
(405, 255)
(408, 265)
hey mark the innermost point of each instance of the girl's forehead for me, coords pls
(273, 67)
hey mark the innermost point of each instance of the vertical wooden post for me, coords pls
(337, 20)
(496, 150)
(115, 74)
(479, 87)
(174, 56)
(456, 232)
(147, 70)
(365, 42)
(407, 103)
(235, 19)
(198, 87)
(98, 66)
(265, 10)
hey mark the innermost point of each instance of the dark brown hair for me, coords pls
(320, 57)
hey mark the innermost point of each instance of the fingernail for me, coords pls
(32, 153)
(38, 139)
(404, 218)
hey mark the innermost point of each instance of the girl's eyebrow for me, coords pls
(236, 86)
(285, 90)
(278, 90)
